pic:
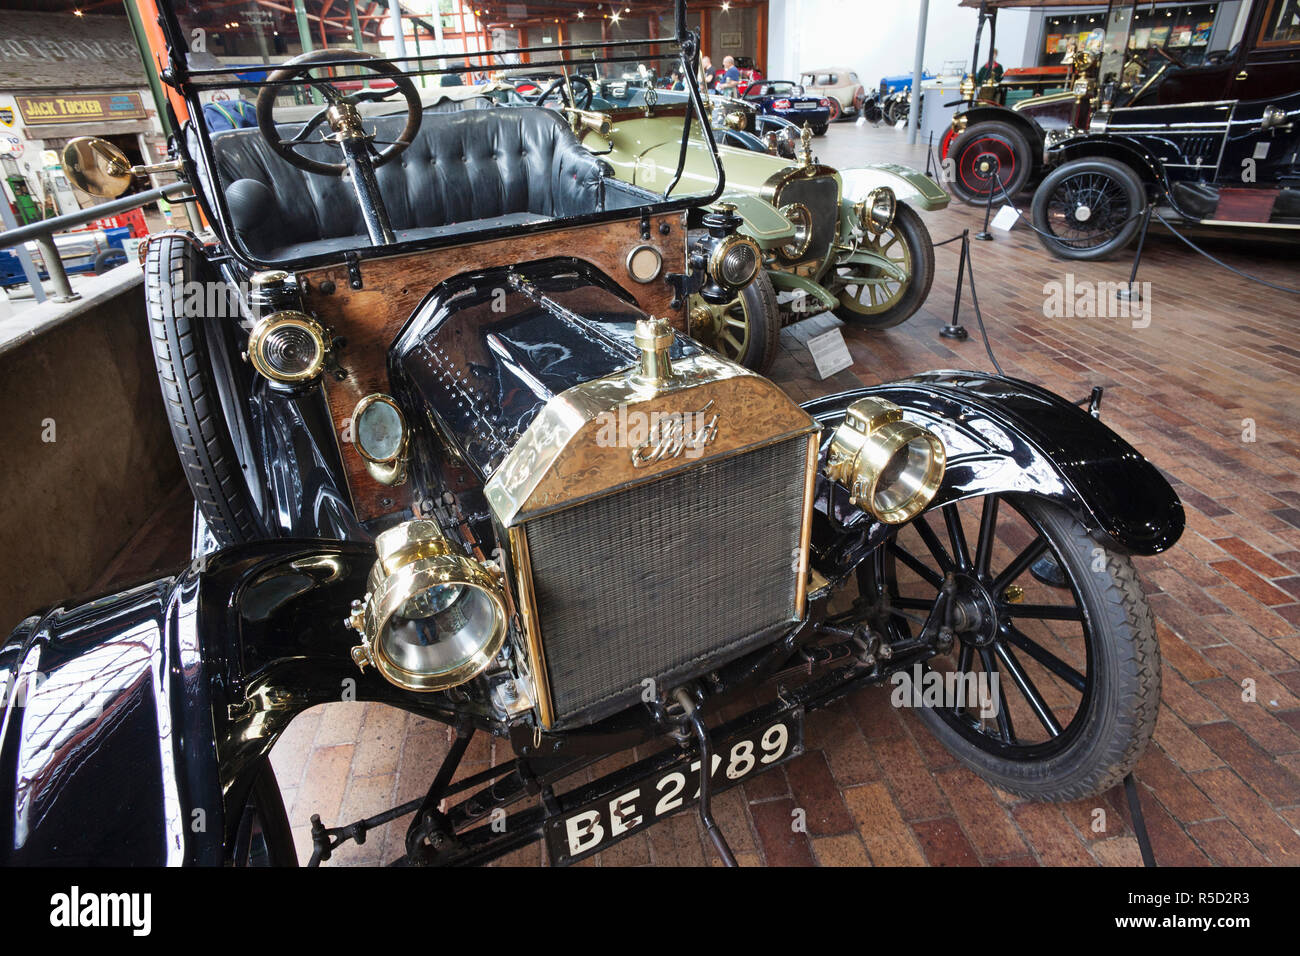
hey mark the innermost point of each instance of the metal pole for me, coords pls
(54, 267)
(304, 38)
(914, 114)
(954, 329)
(142, 43)
(1132, 293)
(356, 25)
(419, 63)
(395, 7)
(20, 250)
(356, 38)
(45, 227)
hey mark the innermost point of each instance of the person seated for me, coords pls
(229, 114)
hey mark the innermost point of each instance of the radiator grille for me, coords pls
(821, 196)
(667, 578)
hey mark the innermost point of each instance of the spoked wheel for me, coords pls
(263, 837)
(869, 296)
(1049, 693)
(1088, 209)
(746, 330)
(986, 155)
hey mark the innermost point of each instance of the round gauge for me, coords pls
(644, 263)
(379, 429)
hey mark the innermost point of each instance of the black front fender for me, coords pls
(1004, 435)
(132, 726)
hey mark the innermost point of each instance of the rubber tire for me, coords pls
(921, 246)
(1126, 679)
(1014, 140)
(764, 315)
(184, 365)
(1133, 187)
(821, 130)
(837, 111)
(265, 795)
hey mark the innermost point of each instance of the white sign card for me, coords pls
(830, 353)
(1005, 219)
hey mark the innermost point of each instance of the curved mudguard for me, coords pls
(910, 185)
(133, 725)
(1005, 435)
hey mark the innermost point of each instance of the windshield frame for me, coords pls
(189, 82)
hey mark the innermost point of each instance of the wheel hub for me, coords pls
(702, 317)
(986, 164)
(1082, 213)
(975, 614)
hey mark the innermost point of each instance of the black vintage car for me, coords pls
(1215, 142)
(996, 139)
(1208, 81)
(452, 450)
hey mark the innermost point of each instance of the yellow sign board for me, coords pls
(80, 108)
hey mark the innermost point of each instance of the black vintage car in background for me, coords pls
(453, 451)
(1205, 99)
(1216, 143)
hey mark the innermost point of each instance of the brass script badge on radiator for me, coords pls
(674, 434)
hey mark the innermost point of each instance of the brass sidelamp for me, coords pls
(892, 467)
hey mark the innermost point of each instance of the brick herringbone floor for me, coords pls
(1220, 785)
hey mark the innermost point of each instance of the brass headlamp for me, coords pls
(432, 617)
(876, 212)
(891, 467)
(728, 260)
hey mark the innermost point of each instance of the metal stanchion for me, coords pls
(993, 170)
(954, 329)
(54, 268)
(1130, 292)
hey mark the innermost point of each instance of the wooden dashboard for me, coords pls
(370, 318)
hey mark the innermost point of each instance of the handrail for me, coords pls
(45, 227)
(42, 233)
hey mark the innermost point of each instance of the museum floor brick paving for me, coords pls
(1220, 785)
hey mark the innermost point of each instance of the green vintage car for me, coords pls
(848, 241)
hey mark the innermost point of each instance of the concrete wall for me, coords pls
(68, 506)
(878, 37)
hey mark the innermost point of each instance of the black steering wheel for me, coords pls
(558, 83)
(302, 66)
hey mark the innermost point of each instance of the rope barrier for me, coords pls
(964, 238)
(1220, 262)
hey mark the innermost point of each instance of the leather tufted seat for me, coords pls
(491, 167)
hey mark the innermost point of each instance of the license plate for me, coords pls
(805, 106)
(628, 810)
